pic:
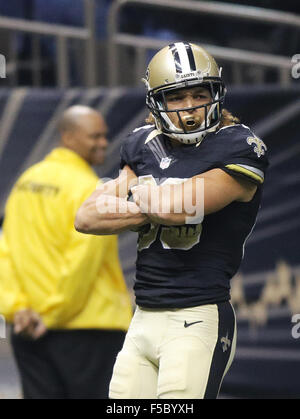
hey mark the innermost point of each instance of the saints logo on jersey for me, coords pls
(260, 147)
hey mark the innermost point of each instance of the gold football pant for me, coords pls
(175, 353)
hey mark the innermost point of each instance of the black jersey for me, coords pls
(190, 265)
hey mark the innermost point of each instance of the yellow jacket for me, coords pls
(73, 280)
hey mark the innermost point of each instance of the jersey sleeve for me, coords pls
(131, 152)
(124, 156)
(245, 155)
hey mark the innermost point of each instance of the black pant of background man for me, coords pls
(52, 367)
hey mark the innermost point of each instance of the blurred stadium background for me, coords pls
(64, 52)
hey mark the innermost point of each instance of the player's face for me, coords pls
(91, 139)
(188, 98)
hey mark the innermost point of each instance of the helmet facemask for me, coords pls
(191, 128)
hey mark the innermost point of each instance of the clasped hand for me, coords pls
(29, 323)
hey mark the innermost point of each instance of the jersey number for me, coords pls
(176, 237)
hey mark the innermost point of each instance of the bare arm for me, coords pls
(201, 195)
(107, 210)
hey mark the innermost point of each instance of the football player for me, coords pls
(182, 338)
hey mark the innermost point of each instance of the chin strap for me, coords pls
(196, 138)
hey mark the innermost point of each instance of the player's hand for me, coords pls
(146, 197)
(29, 323)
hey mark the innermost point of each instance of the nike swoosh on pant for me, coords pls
(190, 324)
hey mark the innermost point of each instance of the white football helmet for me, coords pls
(178, 66)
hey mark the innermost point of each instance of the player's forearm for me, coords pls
(190, 201)
(109, 215)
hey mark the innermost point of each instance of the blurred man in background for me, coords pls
(63, 291)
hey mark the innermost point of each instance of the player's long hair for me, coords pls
(226, 119)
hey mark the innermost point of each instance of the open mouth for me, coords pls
(190, 123)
